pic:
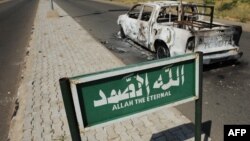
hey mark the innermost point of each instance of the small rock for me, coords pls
(120, 50)
(104, 42)
(119, 35)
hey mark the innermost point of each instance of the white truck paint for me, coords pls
(171, 28)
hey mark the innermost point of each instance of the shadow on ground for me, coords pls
(223, 65)
(183, 132)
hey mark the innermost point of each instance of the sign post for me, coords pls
(198, 102)
(70, 110)
(51, 5)
(132, 91)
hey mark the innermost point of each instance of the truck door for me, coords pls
(145, 26)
(132, 23)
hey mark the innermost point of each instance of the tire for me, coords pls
(122, 34)
(162, 51)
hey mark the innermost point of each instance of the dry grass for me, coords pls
(237, 10)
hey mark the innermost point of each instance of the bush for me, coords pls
(228, 5)
(245, 1)
(210, 1)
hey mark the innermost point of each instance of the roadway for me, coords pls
(16, 20)
(226, 85)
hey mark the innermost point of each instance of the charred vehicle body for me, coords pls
(171, 28)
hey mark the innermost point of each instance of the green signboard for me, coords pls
(133, 90)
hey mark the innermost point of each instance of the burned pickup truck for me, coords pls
(171, 28)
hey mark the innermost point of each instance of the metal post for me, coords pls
(51, 4)
(70, 110)
(211, 17)
(203, 9)
(198, 102)
(180, 11)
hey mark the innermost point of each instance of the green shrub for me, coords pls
(210, 1)
(228, 5)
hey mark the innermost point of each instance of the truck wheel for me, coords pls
(162, 52)
(122, 34)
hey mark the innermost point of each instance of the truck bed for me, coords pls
(195, 25)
